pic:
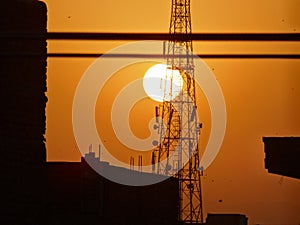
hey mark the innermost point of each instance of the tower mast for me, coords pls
(182, 130)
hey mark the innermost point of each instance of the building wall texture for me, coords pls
(23, 102)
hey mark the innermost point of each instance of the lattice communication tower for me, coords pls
(179, 139)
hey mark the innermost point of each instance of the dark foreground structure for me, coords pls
(38, 193)
(76, 194)
(226, 219)
(23, 103)
(34, 192)
(283, 156)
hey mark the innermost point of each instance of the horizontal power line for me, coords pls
(165, 36)
(154, 56)
(156, 36)
(207, 56)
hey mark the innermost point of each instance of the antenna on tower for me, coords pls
(182, 129)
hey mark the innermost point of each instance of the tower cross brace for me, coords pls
(179, 138)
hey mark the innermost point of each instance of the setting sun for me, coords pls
(159, 78)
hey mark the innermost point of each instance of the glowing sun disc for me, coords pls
(162, 83)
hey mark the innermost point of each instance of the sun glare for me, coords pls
(159, 78)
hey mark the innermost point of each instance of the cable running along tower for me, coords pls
(179, 139)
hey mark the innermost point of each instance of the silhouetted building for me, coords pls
(78, 195)
(283, 155)
(23, 102)
(38, 193)
(226, 219)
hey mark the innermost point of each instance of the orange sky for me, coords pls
(262, 95)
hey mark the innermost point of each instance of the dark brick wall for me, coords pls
(23, 101)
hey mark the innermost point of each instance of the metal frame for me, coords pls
(182, 130)
(215, 37)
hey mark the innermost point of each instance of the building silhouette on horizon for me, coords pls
(39, 192)
(79, 195)
(36, 192)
